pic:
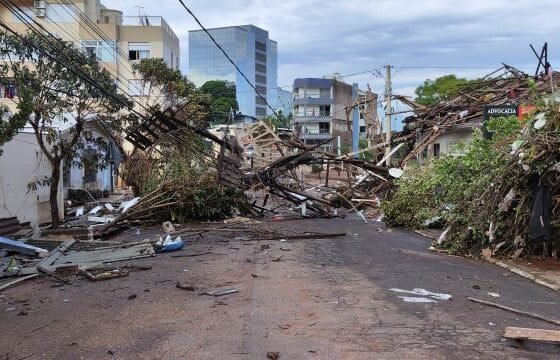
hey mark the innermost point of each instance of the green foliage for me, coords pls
(442, 88)
(280, 121)
(198, 195)
(438, 189)
(158, 80)
(222, 99)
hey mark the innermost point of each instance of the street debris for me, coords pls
(424, 296)
(507, 308)
(521, 334)
(178, 285)
(220, 291)
(168, 244)
(273, 355)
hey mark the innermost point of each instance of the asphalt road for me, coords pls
(349, 297)
(397, 259)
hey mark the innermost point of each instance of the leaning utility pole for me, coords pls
(388, 111)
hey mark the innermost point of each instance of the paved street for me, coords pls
(320, 299)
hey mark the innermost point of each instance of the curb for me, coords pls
(552, 286)
(525, 274)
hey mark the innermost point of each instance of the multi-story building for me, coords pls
(251, 50)
(322, 110)
(285, 102)
(116, 41)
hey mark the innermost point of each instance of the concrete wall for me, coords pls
(21, 163)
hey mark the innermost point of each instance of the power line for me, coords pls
(228, 57)
(125, 86)
(80, 73)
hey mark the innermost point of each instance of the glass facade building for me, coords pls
(251, 50)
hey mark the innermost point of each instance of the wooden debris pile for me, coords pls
(506, 85)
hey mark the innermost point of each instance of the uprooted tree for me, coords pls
(176, 176)
(58, 89)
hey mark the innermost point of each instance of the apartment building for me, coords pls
(251, 50)
(320, 110)
(117, 42)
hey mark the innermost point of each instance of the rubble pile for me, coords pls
(505, 85)
(519, 214)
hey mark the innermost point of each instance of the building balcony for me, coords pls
(310, 118)
(315, 136)
(300, 100)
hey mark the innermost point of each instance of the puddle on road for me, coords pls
(424, 296)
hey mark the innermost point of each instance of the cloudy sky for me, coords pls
(420, 38)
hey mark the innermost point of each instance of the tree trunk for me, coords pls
(53, 193)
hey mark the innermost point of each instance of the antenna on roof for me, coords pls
(140, 17)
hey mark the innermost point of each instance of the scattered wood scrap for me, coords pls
(517, 333)
(17, 281)
(507, 308)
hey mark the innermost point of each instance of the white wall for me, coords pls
(22, 162)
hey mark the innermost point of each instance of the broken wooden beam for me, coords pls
(521, 312)
(17, 281)
(517, 333)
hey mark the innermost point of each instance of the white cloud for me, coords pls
(318, 37)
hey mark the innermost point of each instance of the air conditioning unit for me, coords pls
(40, 8)
(40, 4)
(40, 13)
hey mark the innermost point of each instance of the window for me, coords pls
(138, 51)
(259, 100)
(325, 110)
(260, 111)
(437, 150)
(260, 79)
(260, 46)
(260, 68)
(104, 51)
(261, 90)
(325, 93)
(324, 128)
(260, 57)
(59, 13)
(362, 129)
(23, 14)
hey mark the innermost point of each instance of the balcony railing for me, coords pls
(318, 136)
(302, 96)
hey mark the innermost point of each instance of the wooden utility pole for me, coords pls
(388, 110)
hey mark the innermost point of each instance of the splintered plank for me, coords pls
(532, 334)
